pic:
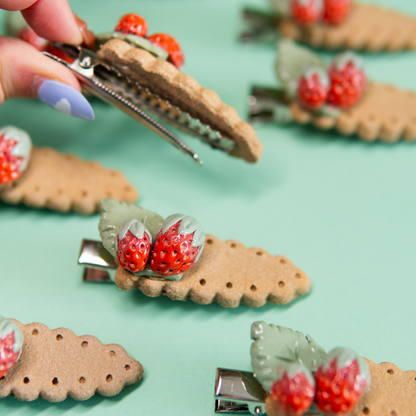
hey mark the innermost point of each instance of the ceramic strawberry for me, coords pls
(348, 80)
(293, 390)
(133, 245)
(313, 88)
(178, 245)
(341, 380)
(336, 11)
(132, 24)
(11, 340)
(306, 11)
(15, 148)
(171, 46)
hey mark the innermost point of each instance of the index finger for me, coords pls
(50, 19)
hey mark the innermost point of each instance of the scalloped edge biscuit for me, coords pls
(56, 364)
(368, 28)
(385, 113)
(227, 273)
(182, 90)
(63, 182)
(392, 392)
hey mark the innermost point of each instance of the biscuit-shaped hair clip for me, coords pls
(139, 74)
(173, 257)
(335, 95)
(293, 375)
(45, 178)
(56, 364)
(332, 25)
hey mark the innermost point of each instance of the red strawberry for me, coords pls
(15, 147)
(340, 381)
(347, 79)
(306, 11)
(178, 245)
(133, 245)
(336, 11)
(11, 340)
(132, 24)
(294, 390)
(171, 46)
(313, 88)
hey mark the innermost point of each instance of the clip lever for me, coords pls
(238, 392)
(98, 262)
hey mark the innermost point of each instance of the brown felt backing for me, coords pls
(56, 364)
(368, 27)
(181, 90)
(227, 273)
(63, 182)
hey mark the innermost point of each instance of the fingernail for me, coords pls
(65, 99)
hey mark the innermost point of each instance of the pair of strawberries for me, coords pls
(336, 387)
(341, 86)
(177, 247)
(307, 12)
(133, 24)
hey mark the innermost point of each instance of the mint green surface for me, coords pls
(340, 209)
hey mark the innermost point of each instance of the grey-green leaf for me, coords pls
(114, 213)
(274, 345)
(292, 61)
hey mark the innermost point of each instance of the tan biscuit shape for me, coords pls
(368, 27)
(63, 182)
(385, 113)
(183, 91)
(227, 273)
(392, 392)
(56, 364)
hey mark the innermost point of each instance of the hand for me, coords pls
(24, 72)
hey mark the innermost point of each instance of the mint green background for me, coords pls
(340, 209)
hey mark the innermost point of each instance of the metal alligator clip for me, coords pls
(238, 392)
(258, 26)
(107, 83)
(269, 105)
(98, 262)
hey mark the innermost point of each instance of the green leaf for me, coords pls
(275, 345)
(114, 213)
(292, 61)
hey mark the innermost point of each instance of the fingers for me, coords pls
(24, 72)
(50, 19)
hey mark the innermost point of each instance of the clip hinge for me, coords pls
(238, 392)
(98, 262)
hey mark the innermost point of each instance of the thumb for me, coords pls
(24, 72)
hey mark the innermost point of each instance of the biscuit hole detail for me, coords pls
(82, 380)
(390, 371)
(209, 241)
(55, 381)
(259, 253)
(26, 380)
(59, 337)
(35, 332)
(84, 344)
(281, 284)
(233, 245)
(109, 378)
(253, 288)
(393, 413)
(202, 282)
(112, 353)
(366, 411)
(282, 261)
(229, 285)
(127, 367)
(298, 276)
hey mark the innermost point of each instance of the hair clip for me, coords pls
(293, 375)
(332, 24)
(56, 364)
(44, 178)
(173, 257)
(336, 95)
(139, 74)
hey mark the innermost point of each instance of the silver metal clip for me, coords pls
(98, 262)
(107, 83)
(238, 392)
(269, 105)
